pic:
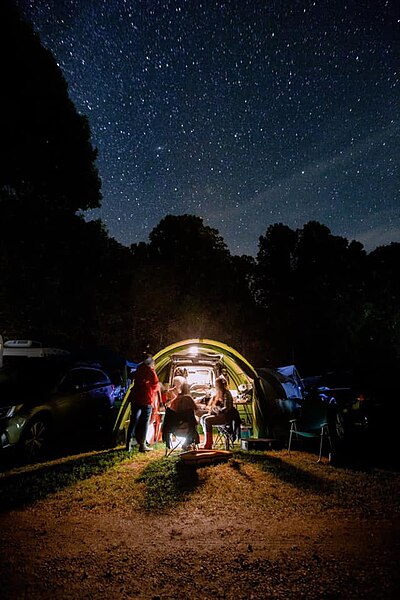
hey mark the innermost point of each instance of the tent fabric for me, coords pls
(291, 382)
(238, 367)
(265, 390)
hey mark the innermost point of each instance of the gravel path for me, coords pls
(278, 527)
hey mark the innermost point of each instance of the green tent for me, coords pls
(240, 372)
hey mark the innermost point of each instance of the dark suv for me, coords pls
(47, 402)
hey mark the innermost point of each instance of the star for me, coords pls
(273, 112)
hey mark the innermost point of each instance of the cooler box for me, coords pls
(261, 444)
(245, 432)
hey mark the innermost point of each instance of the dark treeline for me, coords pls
(308, 297)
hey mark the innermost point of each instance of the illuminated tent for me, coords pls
(239, 370)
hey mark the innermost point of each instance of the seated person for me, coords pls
(180, 419)
(182, 402)
(201, 405)
(179, 385)
(219, 410)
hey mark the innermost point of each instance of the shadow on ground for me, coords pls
(24, 486)
(287, 472)
(167, 481)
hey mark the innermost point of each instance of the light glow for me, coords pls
(178, 441)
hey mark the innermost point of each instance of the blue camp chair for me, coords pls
(312, 423)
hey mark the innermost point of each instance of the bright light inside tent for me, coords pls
(194, 350)
(180, 441)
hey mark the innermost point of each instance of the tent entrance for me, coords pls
(204, 361)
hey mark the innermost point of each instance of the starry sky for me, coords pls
(246, 113)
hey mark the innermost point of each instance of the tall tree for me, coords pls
(273, 288)
(311, 285)
(47, 173)
(329, 281)
(47, 155)
(186, 284)
(379, 334)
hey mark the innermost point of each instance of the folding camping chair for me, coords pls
(229, 432)
(179, 430)
(224, 437)
(312, 423)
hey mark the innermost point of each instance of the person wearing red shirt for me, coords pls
(142, 398)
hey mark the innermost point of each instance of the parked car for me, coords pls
(48, 401)
(334, 398)
(345, 401)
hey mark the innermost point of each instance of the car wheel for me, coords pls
(34, 440)
(339, 426)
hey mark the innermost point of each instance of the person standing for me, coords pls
(142, 398)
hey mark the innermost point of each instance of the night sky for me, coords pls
(246, 113)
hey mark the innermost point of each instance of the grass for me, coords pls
(281, 526)
(20, 488)
(167, 481)
(154, 483)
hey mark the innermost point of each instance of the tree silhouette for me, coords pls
(311, 285)
(273, 287)
(186, 284)
(47, 155)
(378, 355)
(49, 262)
(310, 297)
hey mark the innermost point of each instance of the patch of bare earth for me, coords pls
(279, 527)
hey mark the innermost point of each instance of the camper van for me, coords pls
(30, 349)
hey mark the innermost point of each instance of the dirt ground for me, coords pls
(276, 527)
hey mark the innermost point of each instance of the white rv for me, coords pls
(30, 348)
